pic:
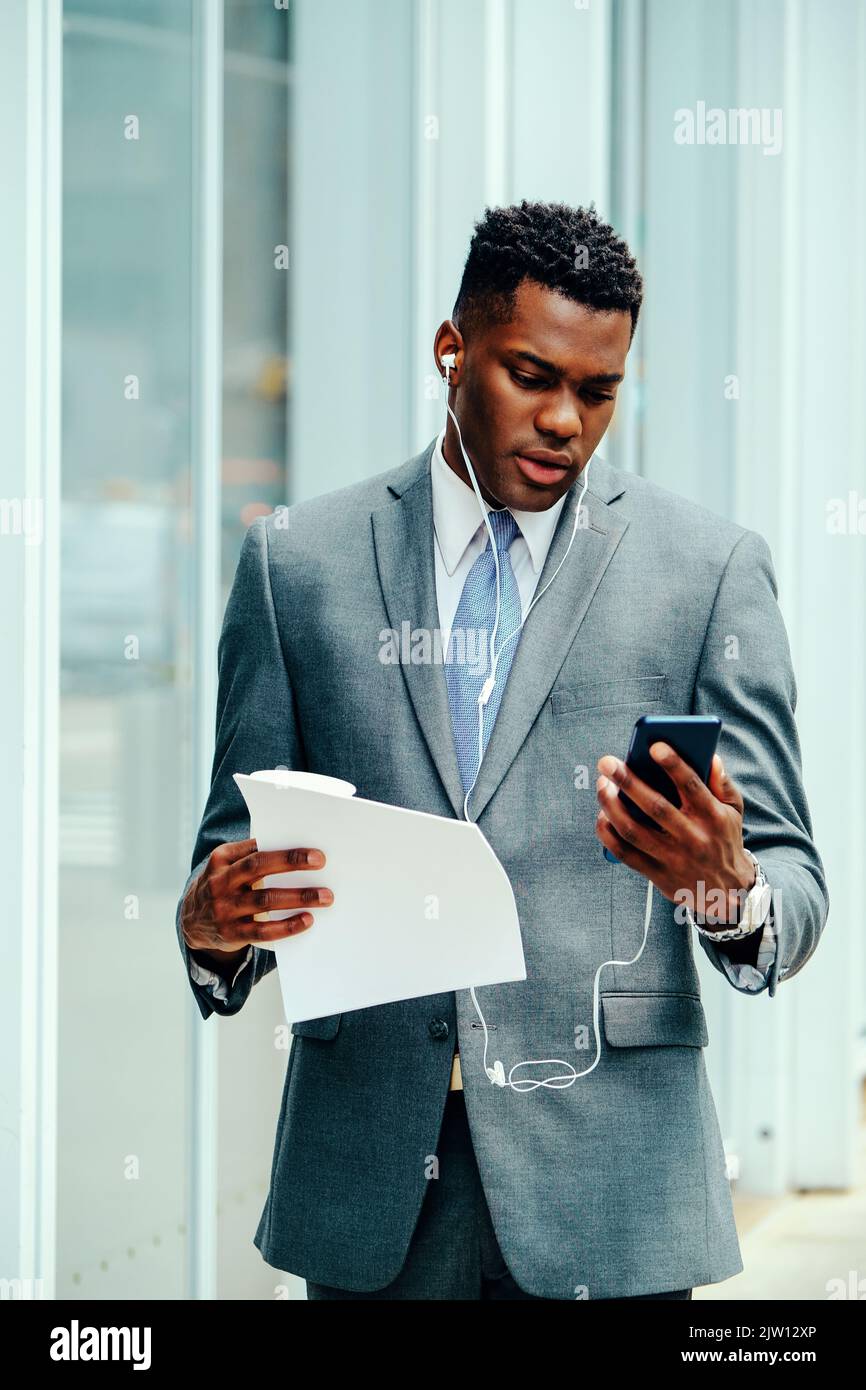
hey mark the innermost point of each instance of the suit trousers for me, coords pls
(454, 1253)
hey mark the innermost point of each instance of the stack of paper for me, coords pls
(421, 903)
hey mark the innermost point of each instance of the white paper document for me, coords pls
(421, 903)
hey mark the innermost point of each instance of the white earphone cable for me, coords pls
(496, 1073)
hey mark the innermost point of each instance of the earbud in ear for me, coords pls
(449, 360)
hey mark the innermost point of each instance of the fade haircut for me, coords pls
(568, 249)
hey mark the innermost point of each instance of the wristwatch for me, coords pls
(755, 909)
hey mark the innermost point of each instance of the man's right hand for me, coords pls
(217, 917)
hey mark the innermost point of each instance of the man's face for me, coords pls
(546, 381)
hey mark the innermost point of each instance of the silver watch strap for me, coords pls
(739, 933)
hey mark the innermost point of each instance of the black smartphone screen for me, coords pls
(694, 736)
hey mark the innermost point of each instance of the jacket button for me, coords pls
(437, 1028)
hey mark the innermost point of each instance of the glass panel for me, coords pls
(256, 277)
(126, 619)
(256, 220)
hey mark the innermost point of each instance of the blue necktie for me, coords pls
(476, 612)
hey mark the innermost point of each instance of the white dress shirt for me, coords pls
(460, 537)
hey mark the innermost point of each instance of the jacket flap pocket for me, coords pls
(654, 1020)
(326, 1027)
(607, 694)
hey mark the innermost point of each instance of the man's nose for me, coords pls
(560, 416)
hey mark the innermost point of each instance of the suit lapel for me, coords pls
(404, 544)
(549, 631)
(404, 541)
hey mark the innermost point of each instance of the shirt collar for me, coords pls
(456, 517)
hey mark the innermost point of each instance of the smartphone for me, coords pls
(693, 736)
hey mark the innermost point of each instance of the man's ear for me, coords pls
(448, 350)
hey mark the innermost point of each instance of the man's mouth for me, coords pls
(540, 470)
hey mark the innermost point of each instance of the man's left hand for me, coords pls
(696, 851)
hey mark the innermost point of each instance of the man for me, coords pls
(613, 1186)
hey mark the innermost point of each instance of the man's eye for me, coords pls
(599, 396)
(528, 381)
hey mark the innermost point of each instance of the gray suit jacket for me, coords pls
(618, 1183)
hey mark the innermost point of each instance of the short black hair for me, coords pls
(568, 249)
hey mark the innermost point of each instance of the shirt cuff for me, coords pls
(209, 979)
(751, 978)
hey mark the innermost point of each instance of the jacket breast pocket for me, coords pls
(607, 693)
(324, 1028)
(654, 1020)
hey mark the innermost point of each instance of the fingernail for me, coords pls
(315, 857)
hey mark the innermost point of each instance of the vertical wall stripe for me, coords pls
(497, 124)
(206, 416)
(789, 540)
(623, 445)
(424, 220)
(30, 407)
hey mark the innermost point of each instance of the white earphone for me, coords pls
(496, 1073)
